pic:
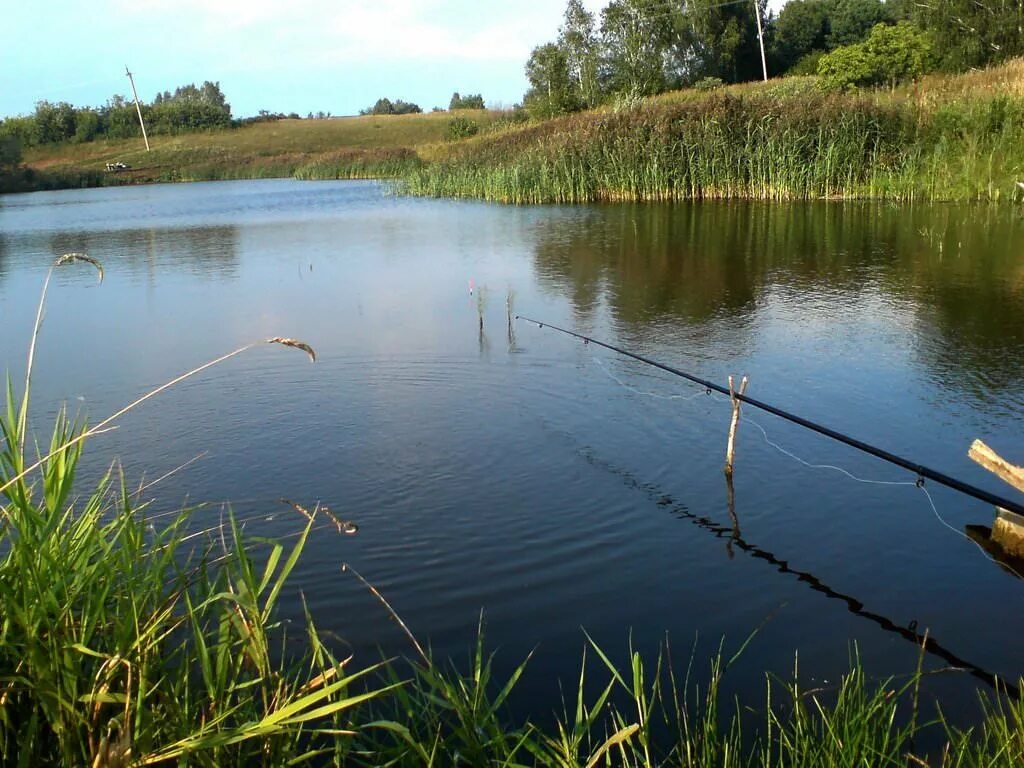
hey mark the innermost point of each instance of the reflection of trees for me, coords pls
(967, 271)
(707, 266)
(202, 251)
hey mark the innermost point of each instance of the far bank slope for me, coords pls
(945, 138)
(368, 146)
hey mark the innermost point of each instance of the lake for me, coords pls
(553, 486)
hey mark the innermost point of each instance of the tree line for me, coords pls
(386, 106)
(637, 48)
(188, 108)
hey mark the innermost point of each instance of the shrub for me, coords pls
(891, 54)
(806, 65)
(708, 83)
(462, 128)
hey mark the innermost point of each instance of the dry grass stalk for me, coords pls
(296, 344)
(146, 486)
(344, 526)
(101, 426)
(394, 614)
(300, 509)
(67, 258)
(74, 256)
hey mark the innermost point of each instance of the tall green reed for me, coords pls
(126, 644)
(768, 145)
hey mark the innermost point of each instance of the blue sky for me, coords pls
(301, 55)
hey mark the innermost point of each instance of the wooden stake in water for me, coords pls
(730, 448)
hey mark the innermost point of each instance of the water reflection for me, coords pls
(710, 268)
(860, 316)
(207, 252)
(4, 252)
(734, 539)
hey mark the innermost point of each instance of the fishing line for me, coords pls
(833, 467)
(963, 535)
(624, 385)
(849, 474)
(920, 470)
(919, 484)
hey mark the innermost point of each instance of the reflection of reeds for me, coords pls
(481, 304)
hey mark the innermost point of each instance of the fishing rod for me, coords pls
(923, 472)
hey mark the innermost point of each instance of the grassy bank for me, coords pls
(945, 138)
(336, 148)
(131, 639)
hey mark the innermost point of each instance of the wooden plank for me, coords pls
(997, 465)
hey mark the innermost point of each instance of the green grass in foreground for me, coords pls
(945, 138)
(127, 641)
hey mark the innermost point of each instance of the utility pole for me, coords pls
(138, 107)
(760, 38)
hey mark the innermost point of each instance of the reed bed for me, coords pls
(649, 714)
(945, 139)
(382, 163)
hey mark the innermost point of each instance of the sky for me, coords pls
(303, 56)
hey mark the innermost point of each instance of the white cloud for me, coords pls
(318, 32)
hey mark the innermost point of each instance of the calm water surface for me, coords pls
(549, 484)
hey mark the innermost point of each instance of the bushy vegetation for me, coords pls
(10, 159)
(469, 101)
(890, 55)
(638, 48)
(971, 33)
(266, 116)
(189, 108)
(462, 128)
(388, 107)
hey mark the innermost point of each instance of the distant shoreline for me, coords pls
(946, 138)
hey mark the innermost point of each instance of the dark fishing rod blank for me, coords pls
(923, 472)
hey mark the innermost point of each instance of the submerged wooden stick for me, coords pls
(730, 497)
(730, 448)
